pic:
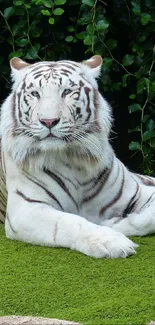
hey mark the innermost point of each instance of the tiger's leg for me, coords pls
(137, 224)
(40, 224)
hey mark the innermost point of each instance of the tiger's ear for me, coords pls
(94, 63)
(18, 64)
(19, 69)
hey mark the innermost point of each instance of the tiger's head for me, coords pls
(55, 106)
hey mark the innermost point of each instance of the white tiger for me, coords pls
(65, 185)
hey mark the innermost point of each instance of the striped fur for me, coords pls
(65, 185)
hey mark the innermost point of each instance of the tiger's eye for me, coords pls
(66, 92)
(35, 94)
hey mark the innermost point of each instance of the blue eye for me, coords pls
(35, 94)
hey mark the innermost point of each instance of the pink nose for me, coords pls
(49, 123)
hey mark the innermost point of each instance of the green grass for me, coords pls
(63, 284)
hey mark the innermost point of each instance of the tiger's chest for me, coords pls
(70, 191)
(66, 189)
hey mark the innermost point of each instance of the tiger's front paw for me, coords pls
(104, 242)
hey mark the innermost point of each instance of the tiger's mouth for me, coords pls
(51, 135)
(69, 138)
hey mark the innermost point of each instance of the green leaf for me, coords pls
(36, 46)
(149, 125)
(135, 47)
(84, 19)
(90, 29)
(22, 42)
(45, 12)
(147, 82)
(31, 54)
(142, 38)
(134, 108)
(22, 23)
(70, 29)
(128, 59)
(134, 145)
(17, 2)
(69, 38)
(136, 8)
(132, 96)
(146, 149)
(27, 5)
(145, 118)
(8, 12)
(148, 135)
(88, 40)
(124, 80)
(111, 43)
(47, 3)
(107, 62)
(58, 11)
(51, 21)
(15, 54)
(60, 2)
(102, 24)
(140, 86)
(89, 3)
(145, 18)
(138, 49)
(81, 35)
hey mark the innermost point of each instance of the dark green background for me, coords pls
(122, 31)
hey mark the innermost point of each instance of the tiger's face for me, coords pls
(56, 104)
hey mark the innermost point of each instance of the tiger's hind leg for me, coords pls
(137, 224)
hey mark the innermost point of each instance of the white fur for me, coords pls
(77, 226)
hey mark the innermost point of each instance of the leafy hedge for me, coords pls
(120, 30)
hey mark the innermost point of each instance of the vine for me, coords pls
(60, 29)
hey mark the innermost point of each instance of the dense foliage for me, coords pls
(120, 30)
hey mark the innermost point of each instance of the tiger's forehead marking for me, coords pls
(61, 66)
(56, 72)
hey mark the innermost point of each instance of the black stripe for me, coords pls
(72, 83)
(61, 184)
(131, 204)
(99, 183)
(9, 221)
(39, 75)
(87, 91)
(146, 180)
(14, 114)
(72, 63)
(41, 66)
(30, 85)
(68, 66)
(116, 198)
(149, 199)
(46, 190)
(26, 198)
(19, 110)
(68, 179)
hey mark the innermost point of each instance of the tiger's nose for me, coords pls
(49, 123)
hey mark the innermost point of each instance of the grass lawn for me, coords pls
(63, 284)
